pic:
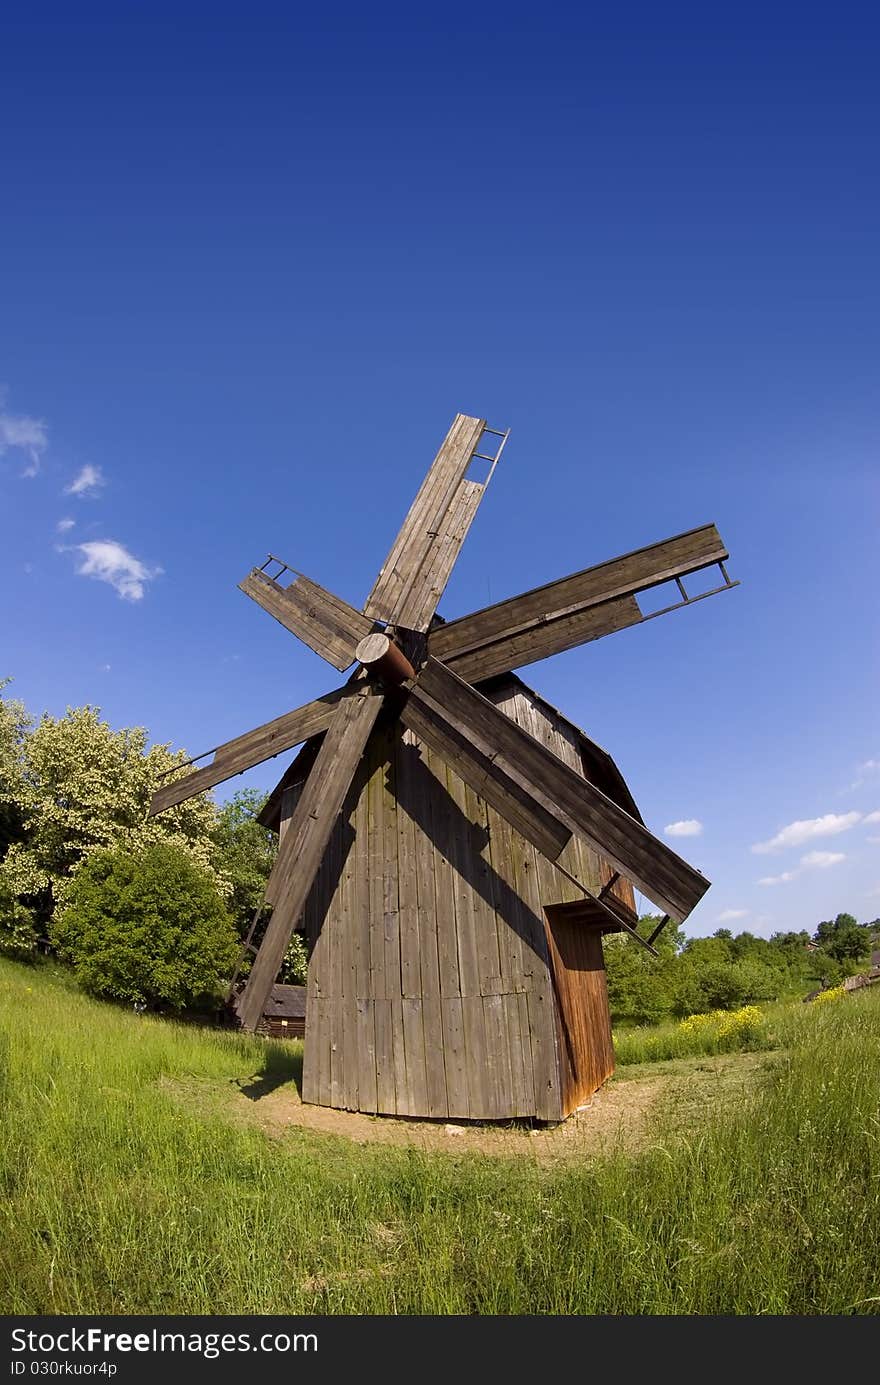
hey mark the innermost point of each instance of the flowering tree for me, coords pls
(71, 785)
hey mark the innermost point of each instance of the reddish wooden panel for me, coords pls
(586, 1052)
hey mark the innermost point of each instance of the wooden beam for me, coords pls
(426, 719)
(656, 870)
(321, 620)
(557, 603)
(430, 583)
(540, 641)
(414, 575)
(305, 841)
(233, 757)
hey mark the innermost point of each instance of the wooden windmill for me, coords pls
(451, 846)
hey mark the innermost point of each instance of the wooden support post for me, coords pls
(659, 929)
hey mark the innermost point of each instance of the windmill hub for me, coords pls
(383, 656)
(435, 991)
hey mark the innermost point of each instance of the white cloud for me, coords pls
(29, 435)
(111, 562)
(866, 768)
(86, 483)
(727, 915)
(872, 817)
(64, 524)
(804, 830)
(688, 827)
(813, 860)
(821, 860)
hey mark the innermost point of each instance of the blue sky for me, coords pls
(253, 261)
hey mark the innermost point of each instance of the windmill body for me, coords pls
(451, 846)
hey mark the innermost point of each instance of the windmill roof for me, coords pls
(603, 770)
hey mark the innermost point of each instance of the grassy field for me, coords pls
(118, 1198)
(748, 1030)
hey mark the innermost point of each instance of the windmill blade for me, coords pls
(323, 621)
(234, 757)
(423, 716)
(572, 801)
(574, 610)
(426, 719)
(305, 841)
(414, 575)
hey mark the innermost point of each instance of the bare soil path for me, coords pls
(621, 1116)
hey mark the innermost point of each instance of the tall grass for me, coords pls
(116, 1198)
(748, 1030)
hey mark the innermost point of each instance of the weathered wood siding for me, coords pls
(275, 1028)
(430, 989)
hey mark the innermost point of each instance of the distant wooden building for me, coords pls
(285, 1014)
(454, 971)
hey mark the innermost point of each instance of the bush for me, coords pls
(724, 1030)
(719, 1031)
(147, 926)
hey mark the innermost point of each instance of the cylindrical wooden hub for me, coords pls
(381, 654)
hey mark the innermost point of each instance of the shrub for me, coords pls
(146, 926)
(723, 1030)
(834, 993)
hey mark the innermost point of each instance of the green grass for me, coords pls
(781, 1025)
(118, 1198)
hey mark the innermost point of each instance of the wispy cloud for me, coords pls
(28, 435)
(64, 525)
(812, 860)
(864, 771)
(728, 915)
(87, 482)
(687, 827)
(111, 562)
(872, 817)
(821, 860)
(875, 841)
(806, 829)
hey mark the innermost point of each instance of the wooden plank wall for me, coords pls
(557, 735)
(430, 991)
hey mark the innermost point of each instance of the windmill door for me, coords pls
(583, 1019)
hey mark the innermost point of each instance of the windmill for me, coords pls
(452, 847)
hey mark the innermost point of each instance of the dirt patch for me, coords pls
(621, 1116)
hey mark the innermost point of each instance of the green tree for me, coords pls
(15, 723)
(18, 928)
(639, 985)
(246, 852)
(295, 967)
(146, 926)
(246, 855)
(83, 786)
(844, 940)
